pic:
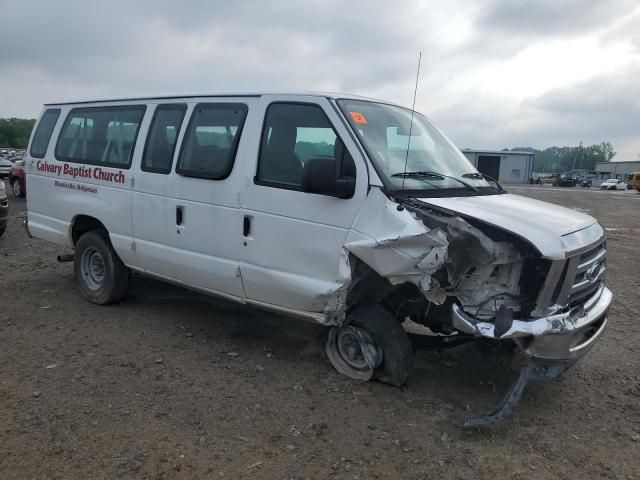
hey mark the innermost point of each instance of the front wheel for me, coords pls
(372, 344)
(102, 277)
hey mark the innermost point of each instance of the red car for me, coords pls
(4, 208)
(17, 178)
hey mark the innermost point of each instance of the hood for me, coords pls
(540, 223)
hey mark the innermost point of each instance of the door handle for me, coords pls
(179, 215)
(246, 226)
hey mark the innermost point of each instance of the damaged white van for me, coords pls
(351, 212)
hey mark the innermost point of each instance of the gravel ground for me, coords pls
(172, 384)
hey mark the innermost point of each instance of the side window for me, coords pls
(292, 134)
(210, 143)
(162, 138)
(43, 133)
(100, 135)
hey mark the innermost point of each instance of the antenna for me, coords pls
(413, 109)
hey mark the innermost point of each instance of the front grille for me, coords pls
(582, 276)
(573, 281)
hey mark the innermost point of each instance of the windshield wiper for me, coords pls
(434, 176)
(482, 176)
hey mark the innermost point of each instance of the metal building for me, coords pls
(620, 170)
(504, 166)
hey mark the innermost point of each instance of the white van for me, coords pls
(351, 212)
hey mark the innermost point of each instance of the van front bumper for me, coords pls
(552, 344)
(564, 336)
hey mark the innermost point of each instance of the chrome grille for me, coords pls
(584, 273)
(576, 279)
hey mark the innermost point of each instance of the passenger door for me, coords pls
(292, 240)
(204, 193)
(152, 210)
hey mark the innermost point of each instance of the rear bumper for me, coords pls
(564, 336)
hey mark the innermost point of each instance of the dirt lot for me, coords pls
(172, 384)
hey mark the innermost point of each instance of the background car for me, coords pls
(5, 166)
(565, 181)
(634, 181)
(4, 208)
(17, 179)
(613, 184)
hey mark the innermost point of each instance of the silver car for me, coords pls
(5, 166)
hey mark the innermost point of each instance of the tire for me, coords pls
(18, 192)
(102, 277)
(387, 332)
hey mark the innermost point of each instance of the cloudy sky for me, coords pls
(495, 73)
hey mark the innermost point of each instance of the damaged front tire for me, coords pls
(372, 344)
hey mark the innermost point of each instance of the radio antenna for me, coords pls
(413, 109)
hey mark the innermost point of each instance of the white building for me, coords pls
(506, 167)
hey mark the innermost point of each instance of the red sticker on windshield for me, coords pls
(358, 117)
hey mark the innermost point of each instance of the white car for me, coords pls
(613, 184)
(351, 212)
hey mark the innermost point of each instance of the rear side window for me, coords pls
(100, 135)
(292, 134)
(210, 143)
(162, 138)
(43, 133)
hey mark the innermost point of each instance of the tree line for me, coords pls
(15, 132)
(562, 159)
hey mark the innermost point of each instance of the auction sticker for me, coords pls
(358, 117)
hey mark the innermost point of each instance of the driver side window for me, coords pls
(292, 134)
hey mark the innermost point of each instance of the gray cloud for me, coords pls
(75, 49)
(551, 17)
(603, 108)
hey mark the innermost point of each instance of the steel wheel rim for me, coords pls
(92, 268)
(353, 352)
(17, 189)
(349, 348)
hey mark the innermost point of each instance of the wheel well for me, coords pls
(84, 223)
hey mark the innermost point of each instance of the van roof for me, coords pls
(333, 95)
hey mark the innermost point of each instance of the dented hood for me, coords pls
(540, 223)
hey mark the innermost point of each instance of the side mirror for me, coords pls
(319, 175)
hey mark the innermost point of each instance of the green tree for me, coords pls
(15, 132)
(561, 159)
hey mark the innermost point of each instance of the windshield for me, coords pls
(433, 162)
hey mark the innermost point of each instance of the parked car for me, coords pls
(586, 182)
(4, 208)
(565, 181)
(17, 179)
(549, 180)
(613, 184)
(304, 205)
(5, 166)
(634, 181)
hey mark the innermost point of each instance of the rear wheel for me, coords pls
(102, 277)
(371, 345)
(17, 188)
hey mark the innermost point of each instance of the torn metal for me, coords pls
(472, 268)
